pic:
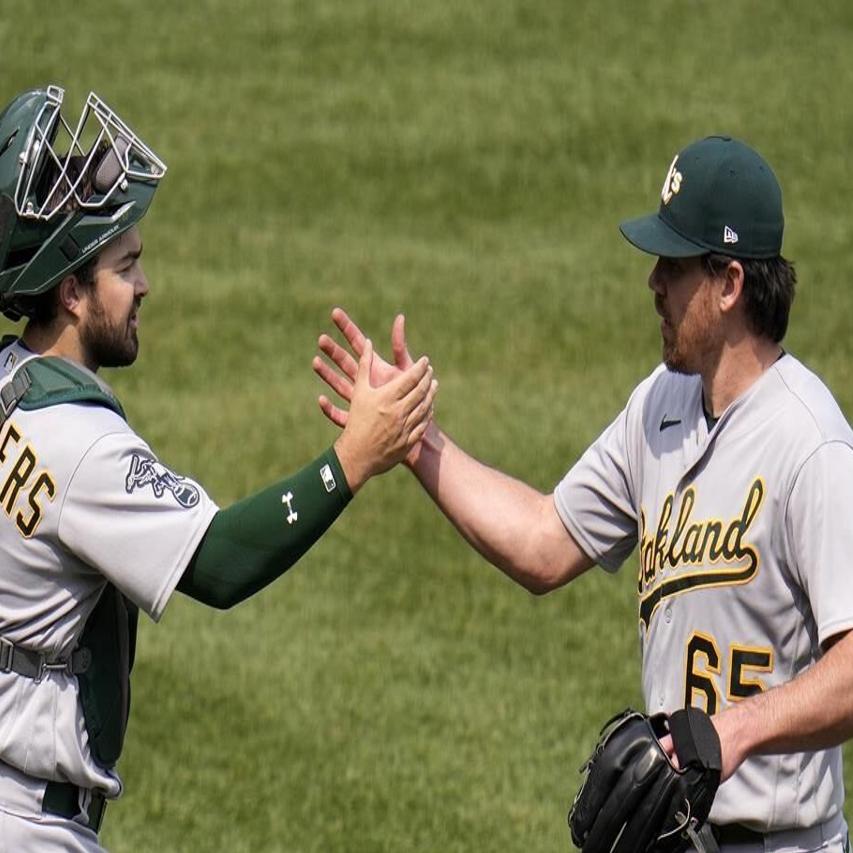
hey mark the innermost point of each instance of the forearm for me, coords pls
(514, 526)
(813, 711)
(253, 542)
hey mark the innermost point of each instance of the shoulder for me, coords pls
(53, 381)
(809, 405)
(63, 405)
(61, 437)
(65, 410)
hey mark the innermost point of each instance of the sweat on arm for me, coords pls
(253, 542)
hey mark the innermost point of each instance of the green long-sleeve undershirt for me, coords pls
(253, 542)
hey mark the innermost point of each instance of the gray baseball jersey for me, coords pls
(745, 547)
(85, 501)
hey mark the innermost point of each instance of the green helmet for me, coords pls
(65, 190)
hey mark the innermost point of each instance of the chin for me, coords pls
(118, 356)
(675, 363)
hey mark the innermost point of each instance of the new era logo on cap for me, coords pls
(729, 235)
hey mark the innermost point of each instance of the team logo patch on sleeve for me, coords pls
(328, 478)
(149, 472)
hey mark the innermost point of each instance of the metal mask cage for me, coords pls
(62, 170)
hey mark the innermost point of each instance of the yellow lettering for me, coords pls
(691, 543)
(43, 483)
(17, 478)
(11, 435)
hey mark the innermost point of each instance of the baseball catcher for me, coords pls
(96, 528)
(635, 798)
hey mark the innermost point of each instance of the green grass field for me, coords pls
(466, 163)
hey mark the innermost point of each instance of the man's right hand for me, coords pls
(390, 405)
(512, 525)
(341, 381)
(341, 374)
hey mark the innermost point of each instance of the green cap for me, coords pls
(718, 196)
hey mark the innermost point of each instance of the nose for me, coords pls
(656, 279)
(140, 287)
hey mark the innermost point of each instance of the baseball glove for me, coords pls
(632, 799)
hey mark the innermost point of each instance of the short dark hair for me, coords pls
(42, 309)
(768, 290)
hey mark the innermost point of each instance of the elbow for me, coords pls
(219, 600)
(540, 586)
(542, 570)
(543, 573)
(537, 580)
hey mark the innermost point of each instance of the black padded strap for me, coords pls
(695, 739)
(13, 392)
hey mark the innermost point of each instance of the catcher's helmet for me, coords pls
(64, 192)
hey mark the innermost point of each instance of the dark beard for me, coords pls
(674, 362)
(106, 345)
(690, 357)
(696, 344)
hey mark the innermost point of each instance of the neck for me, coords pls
(738, 367)
(57, 340)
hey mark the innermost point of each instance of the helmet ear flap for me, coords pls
(8, 215)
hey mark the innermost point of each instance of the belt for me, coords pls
(730, 834)
(69, 801)
(33, 664)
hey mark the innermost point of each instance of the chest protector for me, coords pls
(108, 641)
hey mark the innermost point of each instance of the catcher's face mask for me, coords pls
(80, 168)
(66, 189)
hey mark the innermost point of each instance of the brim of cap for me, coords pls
(651, 234)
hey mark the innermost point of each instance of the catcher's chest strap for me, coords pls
(55, 380)
(13, 392)
(33, 664)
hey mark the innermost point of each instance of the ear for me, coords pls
(71, 295)
(732, 286)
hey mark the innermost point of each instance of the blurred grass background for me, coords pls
(466, 163)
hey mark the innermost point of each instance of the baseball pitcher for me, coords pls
(730, 471)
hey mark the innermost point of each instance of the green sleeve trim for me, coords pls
(253, 542)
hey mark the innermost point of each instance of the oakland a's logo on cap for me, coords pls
(672, 182)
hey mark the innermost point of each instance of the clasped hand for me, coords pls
(390, 405)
